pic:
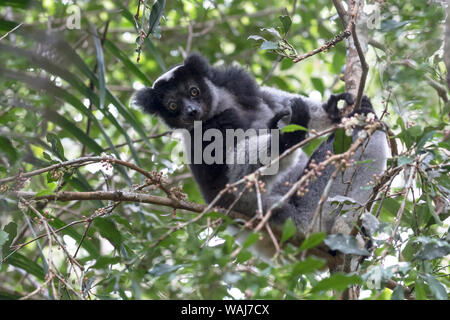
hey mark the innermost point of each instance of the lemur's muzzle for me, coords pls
(192, 112)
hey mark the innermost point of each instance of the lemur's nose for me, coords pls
(192, 112)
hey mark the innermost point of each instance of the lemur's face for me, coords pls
(185, 102)
(181, 95)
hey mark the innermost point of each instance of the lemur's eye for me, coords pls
(173, 106)
(194, 91)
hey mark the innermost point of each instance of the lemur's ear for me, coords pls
(197, 64)
(146, 99)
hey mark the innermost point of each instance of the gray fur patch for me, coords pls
(219, 94)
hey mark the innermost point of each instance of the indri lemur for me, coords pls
(229, 98)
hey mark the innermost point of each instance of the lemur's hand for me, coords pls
(365, 107)
(331, 106)
(273, 123)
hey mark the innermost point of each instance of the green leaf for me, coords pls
(229, 242)
(50, 189)
(293, 128)
(341, 141)
(420, 290)
(409, 250)
(337, 63)
(427, 136)
(389, 25)
(8, 150)
(47, 157)
(436, 288)
(3, 239)
(163, 268)
(274, 32)
(149, 44)
(312, 241)
(345, 244)
(398, 293)
(20, 261)
(252, 238)
(313, 145)
(318, 84)
(11, 230)
(18, 4)
(415, 131)
(100, 66)
(289, 230)
(286, 22)
(103, 262)
(243, 256)
(433, 213)
(155, 15)
(269, 45)
(432, 249)
(9, 296)
(109, 231)
(6, 25)
(57, 147)
(337, 281)
(310, 264)
(391, 206)
(256, 37)
(403, 160)
(76, 132)
(130, 66)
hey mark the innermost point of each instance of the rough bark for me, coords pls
(354, 74)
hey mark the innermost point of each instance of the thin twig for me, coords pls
(69, 256)
(330, 43)
(400, 211)
(10, 31)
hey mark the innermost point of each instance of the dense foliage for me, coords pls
(65, 94)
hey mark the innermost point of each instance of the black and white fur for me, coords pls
(229, 98)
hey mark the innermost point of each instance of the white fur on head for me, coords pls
(166, 75)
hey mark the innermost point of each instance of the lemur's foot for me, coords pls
(365, 107)
(331, 106)
(366, 104)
